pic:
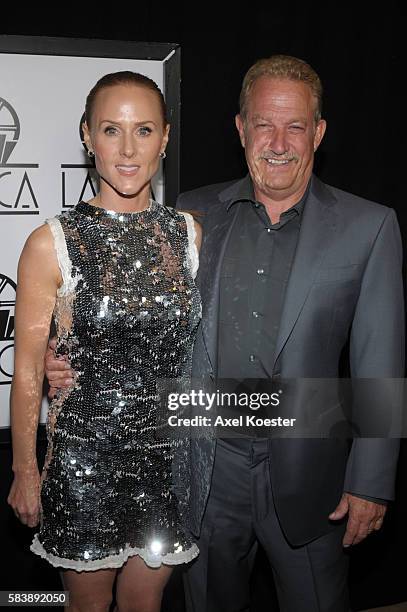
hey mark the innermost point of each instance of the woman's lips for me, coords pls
(127, 170)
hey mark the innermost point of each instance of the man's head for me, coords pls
(280, 126)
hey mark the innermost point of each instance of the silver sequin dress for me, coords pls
(126, 316)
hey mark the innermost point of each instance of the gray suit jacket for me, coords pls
(345, 283)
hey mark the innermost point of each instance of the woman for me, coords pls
(117, 275)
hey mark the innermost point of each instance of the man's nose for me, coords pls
(278, 142)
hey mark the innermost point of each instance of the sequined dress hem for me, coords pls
(116, 561)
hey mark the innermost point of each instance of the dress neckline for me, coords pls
(97, 212)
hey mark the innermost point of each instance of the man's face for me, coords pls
(280, 135)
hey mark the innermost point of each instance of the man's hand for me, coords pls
(57, 370)
(363, 517)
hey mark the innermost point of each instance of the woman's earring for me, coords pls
(90, 153)
(163, 155)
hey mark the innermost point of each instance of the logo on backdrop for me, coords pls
(7, 303)
(76, 186)
(9, 130)
(17, 181)
(17, 194)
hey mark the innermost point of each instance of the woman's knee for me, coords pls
(89, 591)
(141, 604)
(90, 605)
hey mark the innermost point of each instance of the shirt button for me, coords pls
(268, 230)
(260, 271)
(252, 358)
(255, 314)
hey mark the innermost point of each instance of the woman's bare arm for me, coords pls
(37, 283)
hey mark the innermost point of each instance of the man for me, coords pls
(290, 270)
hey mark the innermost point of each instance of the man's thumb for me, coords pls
(340, 510)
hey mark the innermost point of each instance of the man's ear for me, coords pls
(240, 128)
(319, 133)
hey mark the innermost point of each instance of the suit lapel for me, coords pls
(318, 226)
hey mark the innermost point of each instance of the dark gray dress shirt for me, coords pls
(252, 288)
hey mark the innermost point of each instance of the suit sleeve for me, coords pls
(377, 348)
(180, 203)
(198, 200)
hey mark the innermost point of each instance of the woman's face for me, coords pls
(127, 134)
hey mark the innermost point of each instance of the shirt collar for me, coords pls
(245, 193)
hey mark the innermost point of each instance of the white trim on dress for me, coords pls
(65, 265)
(193, 255)
(118, 560)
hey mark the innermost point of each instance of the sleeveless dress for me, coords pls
(126, 316)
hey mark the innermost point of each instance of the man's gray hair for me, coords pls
(282, 67)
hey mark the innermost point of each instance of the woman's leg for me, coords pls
(139, 587)
(89, 591)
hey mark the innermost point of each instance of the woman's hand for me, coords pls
(24, 497)
(57, 370)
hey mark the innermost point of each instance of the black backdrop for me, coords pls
(358, 52)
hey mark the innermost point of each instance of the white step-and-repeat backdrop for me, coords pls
(44, 168)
